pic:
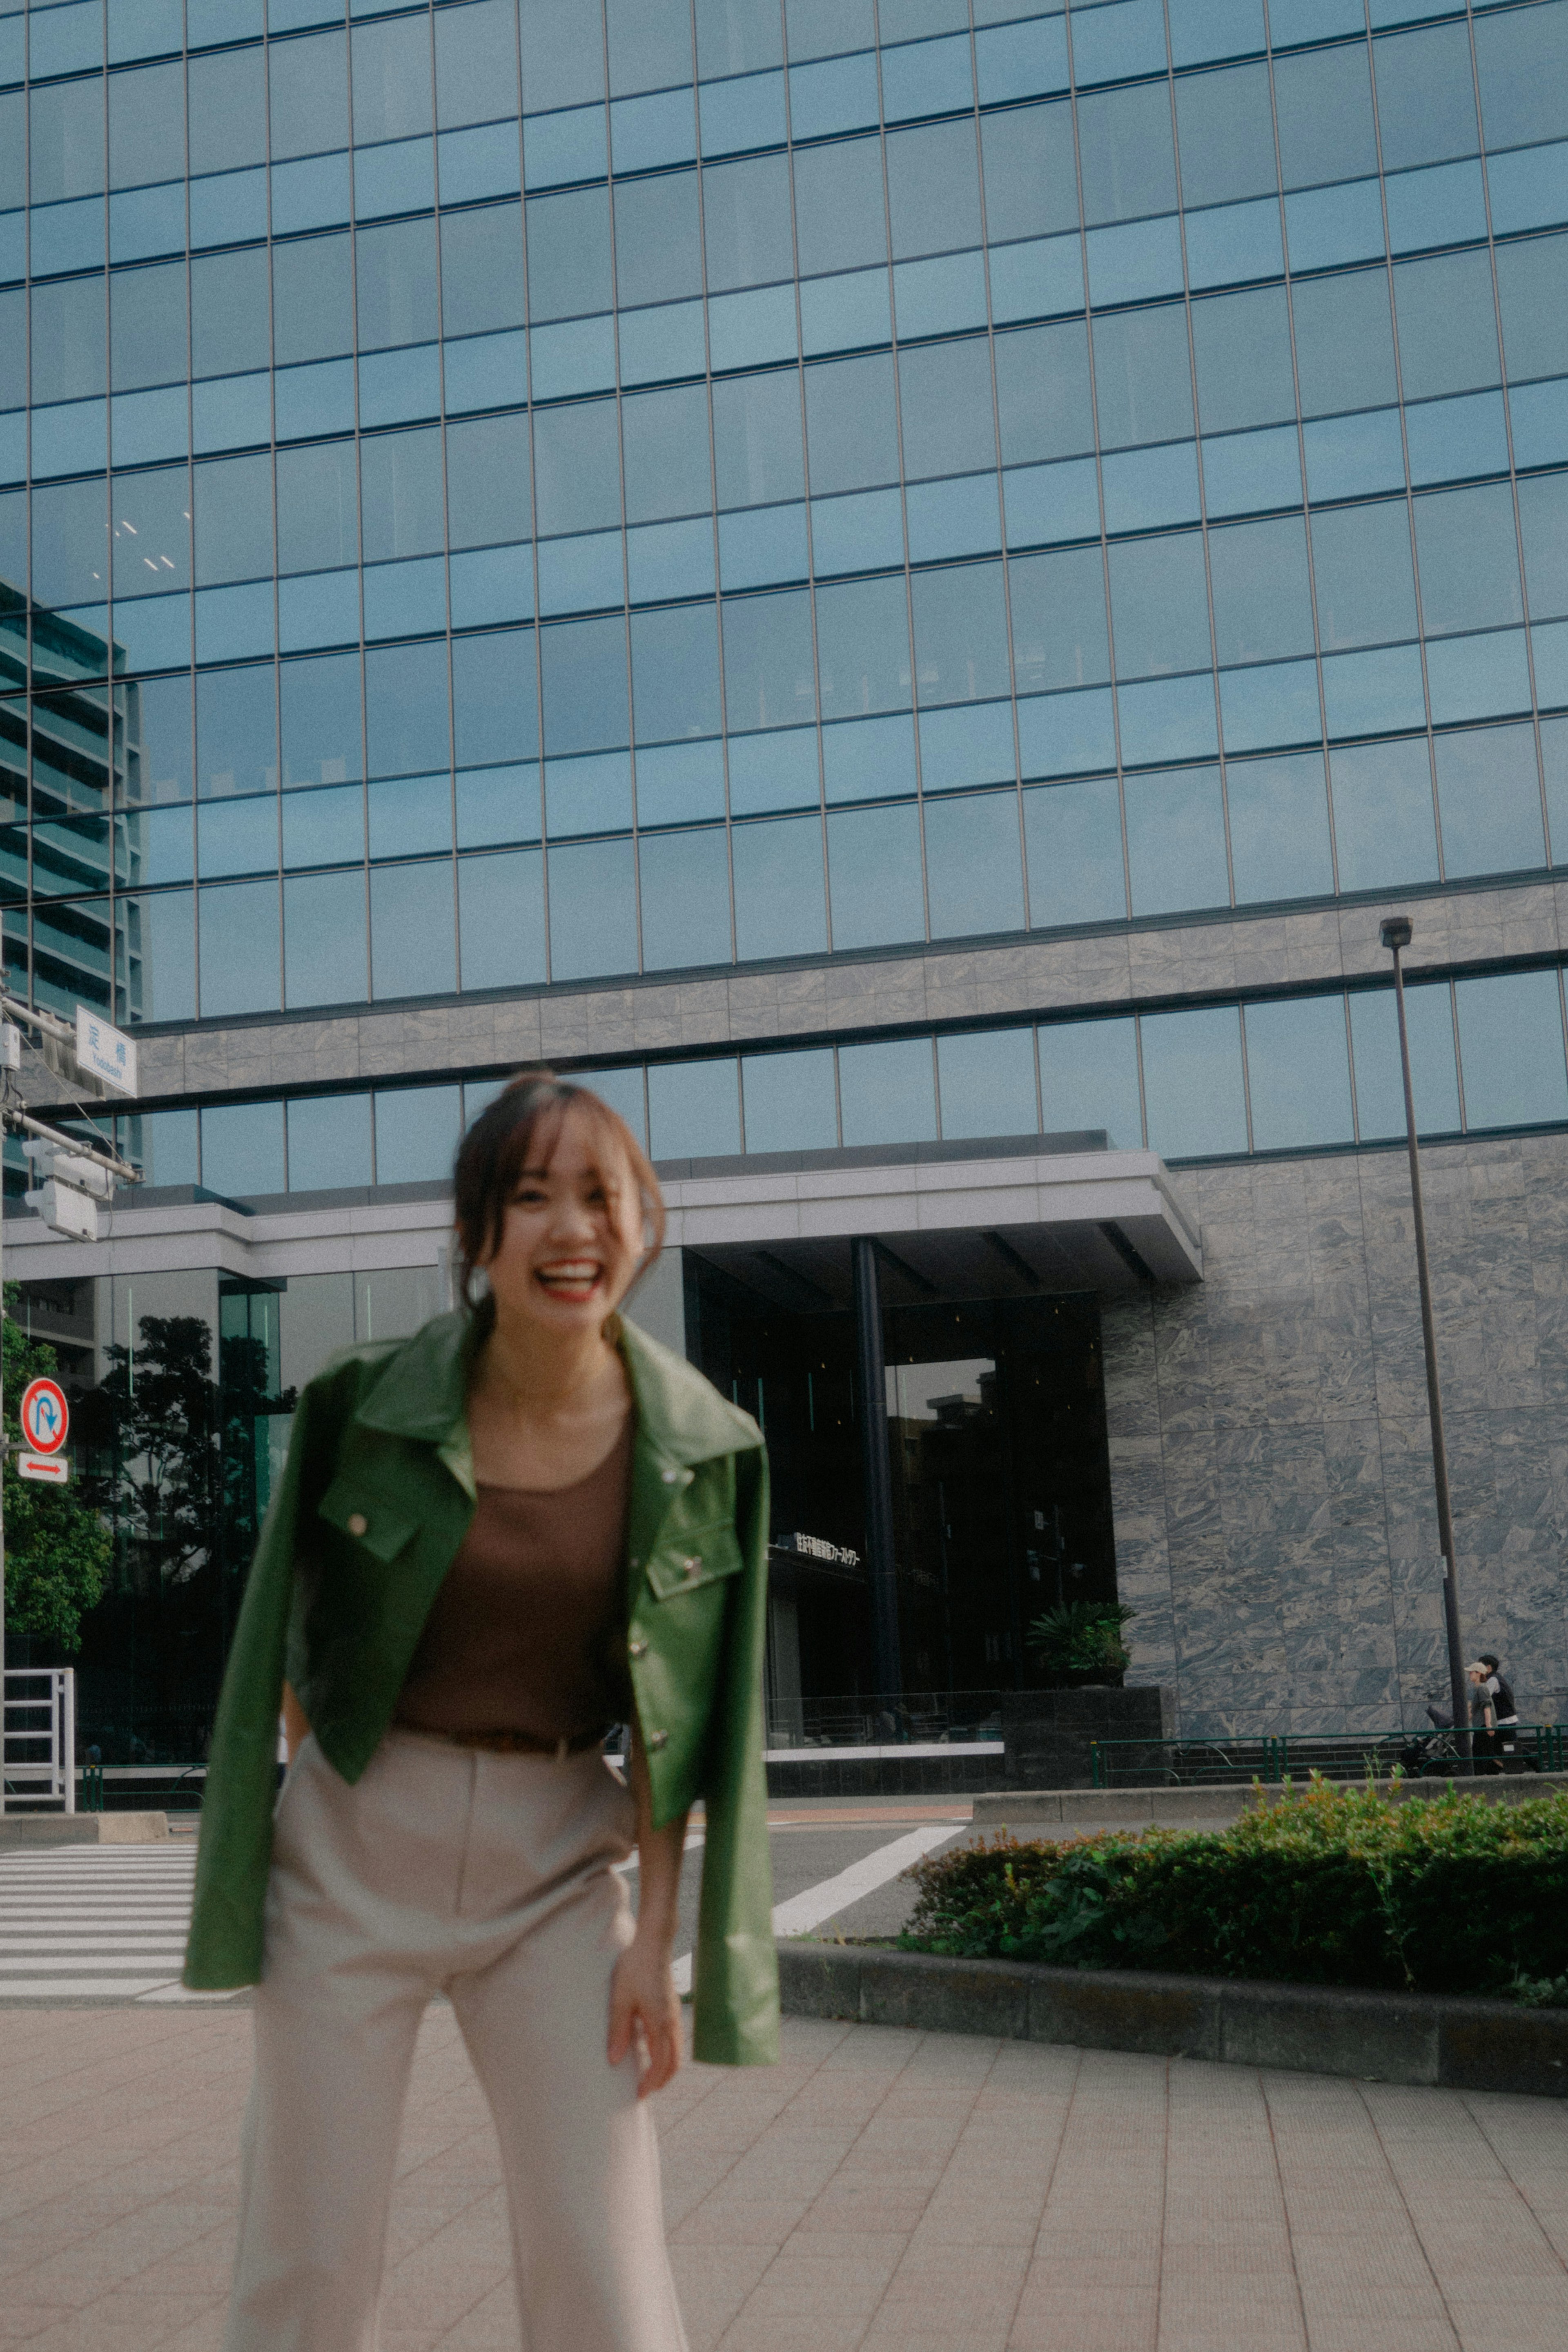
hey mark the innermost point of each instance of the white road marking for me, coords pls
(76, 1925)
(831, 1895)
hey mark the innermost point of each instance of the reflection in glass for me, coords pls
(413, 946)
(1278, 828)
(780, 903)
(875, 880)
(1385, 831)
(685, 880)
(1298, 1073)
(792, 1103)
(417, 1129)
(501, 920)
(329, 1143)
(1089, 1078)
(887, 1093)
(1511, 1049)
(1175, 840)
(973, 863)
(324, 939)
(1075, 867)
(1191, 1083)
(986, 1084)
(693, 1111)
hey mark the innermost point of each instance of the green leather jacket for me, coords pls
(374, 1501)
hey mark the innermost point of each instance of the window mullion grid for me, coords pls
(810, 565)
(545, 846)
(1404, 451)
(360, 542)
(1202, 490)
(1507, 432)
(903, 509)
(621, 486)
(712, 494)
(1302, 462)
(446, 520)
(1001, 511)
(1100, 490)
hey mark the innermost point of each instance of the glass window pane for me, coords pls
(1364, 574)
(685, 898)
(406, 707)
(165, 1144)
(974, 863)
(1262, 599)
(1032, 174)
(400, 488)
(1059, 620)
(1448, 325)
(768, 666)
(1143, 376)
(851, 424)
(501, 920)
(745, 223)
(658, 248)
(933, 189)
(1533, 292)
(1191, 1083)
(1489, 801)
(1089, 1078)
(887, 1094)
(242, 1149)
(322, 740)
(674, 673)
(592, 909)
(873, 866)
(960, 634)
(840, 221)
(1241, 343)
(1159, 605)
(1344, 343)
(413, 946)
(945, 394)
(790, 1102)
(312, 300)
(568, 254)
(585, 704)
(780, 904)
(1511, 1050)
(986, 1082)
(329, 1143)
(693, 1111)
(756, 434)
(1278, 828)
(1074, 834)
(1225, 127)
(1324, 104)
(1375, 1042)
(239, 948)
(863, 648)
(1043, 393)
(1126, 156)
(482, 270)
(1426, 96)
(324, 939)
(1175, 840)
(417, 1129)
(157, 979)
(496, 698)
(1298, 1073)
(1468, 554)
(1385, 831)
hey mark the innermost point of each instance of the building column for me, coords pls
(876, 1471)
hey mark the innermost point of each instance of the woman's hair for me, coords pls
(520, 1129)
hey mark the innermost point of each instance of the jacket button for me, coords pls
(669, 1477)
(356, 1523)
(693, 1565)
(658, 1738)
(636, 1649)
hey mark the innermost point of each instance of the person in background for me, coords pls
(1505, 1710)
(491, 1542)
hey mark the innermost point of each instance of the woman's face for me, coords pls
(573, 1237)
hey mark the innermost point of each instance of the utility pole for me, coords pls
(1395, 934)
(73, 1178)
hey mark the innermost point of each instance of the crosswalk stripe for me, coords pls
(81, 1924)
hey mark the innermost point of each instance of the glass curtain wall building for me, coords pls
(661, 531)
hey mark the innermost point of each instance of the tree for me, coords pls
(58, 1547)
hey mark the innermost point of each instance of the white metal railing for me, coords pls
(40, 1738)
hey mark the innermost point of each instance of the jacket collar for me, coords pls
(422, 1393)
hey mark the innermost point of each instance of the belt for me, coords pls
(522, 1743)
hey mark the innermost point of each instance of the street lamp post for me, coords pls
(1395, 934)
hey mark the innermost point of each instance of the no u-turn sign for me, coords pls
(45, 1417)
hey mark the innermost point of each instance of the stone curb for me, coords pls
(82, 1829)
(1016, 1808)
(1386, 2037)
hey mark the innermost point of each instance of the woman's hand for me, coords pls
(645, 2011)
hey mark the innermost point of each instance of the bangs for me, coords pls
(521, 1131)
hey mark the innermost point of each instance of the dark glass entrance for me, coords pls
(996, 1463)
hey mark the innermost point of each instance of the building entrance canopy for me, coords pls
(956, 1220)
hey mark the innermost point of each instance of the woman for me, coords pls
(491, 1542)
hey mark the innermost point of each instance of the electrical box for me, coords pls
(65, 1209)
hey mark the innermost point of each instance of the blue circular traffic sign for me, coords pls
(45, 1417)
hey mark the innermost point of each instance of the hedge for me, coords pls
(1330, 1886)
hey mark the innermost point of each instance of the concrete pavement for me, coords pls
(879, 2192)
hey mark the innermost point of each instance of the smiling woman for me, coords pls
(491, 1543)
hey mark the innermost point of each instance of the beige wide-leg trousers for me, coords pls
(488, 1878)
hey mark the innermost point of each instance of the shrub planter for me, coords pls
(1386, 2037)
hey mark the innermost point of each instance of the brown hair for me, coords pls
(520, 1129)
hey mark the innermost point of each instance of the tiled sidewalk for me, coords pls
(879, 2192)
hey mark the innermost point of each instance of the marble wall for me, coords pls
(1269, 1448)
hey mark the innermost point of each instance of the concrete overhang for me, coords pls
(958, 1226)
(965, 1226)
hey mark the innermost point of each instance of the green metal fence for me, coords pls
(1273, 1758)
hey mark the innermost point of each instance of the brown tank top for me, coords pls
(528, 1629)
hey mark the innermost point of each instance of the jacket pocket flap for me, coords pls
(366, 1519)
(687, 1559)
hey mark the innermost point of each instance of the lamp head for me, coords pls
(1396, 931)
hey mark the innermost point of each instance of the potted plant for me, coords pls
(1082, 1643)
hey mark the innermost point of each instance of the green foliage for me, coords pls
(1331, 1886)
(1082, 1638)
(57, 1547)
